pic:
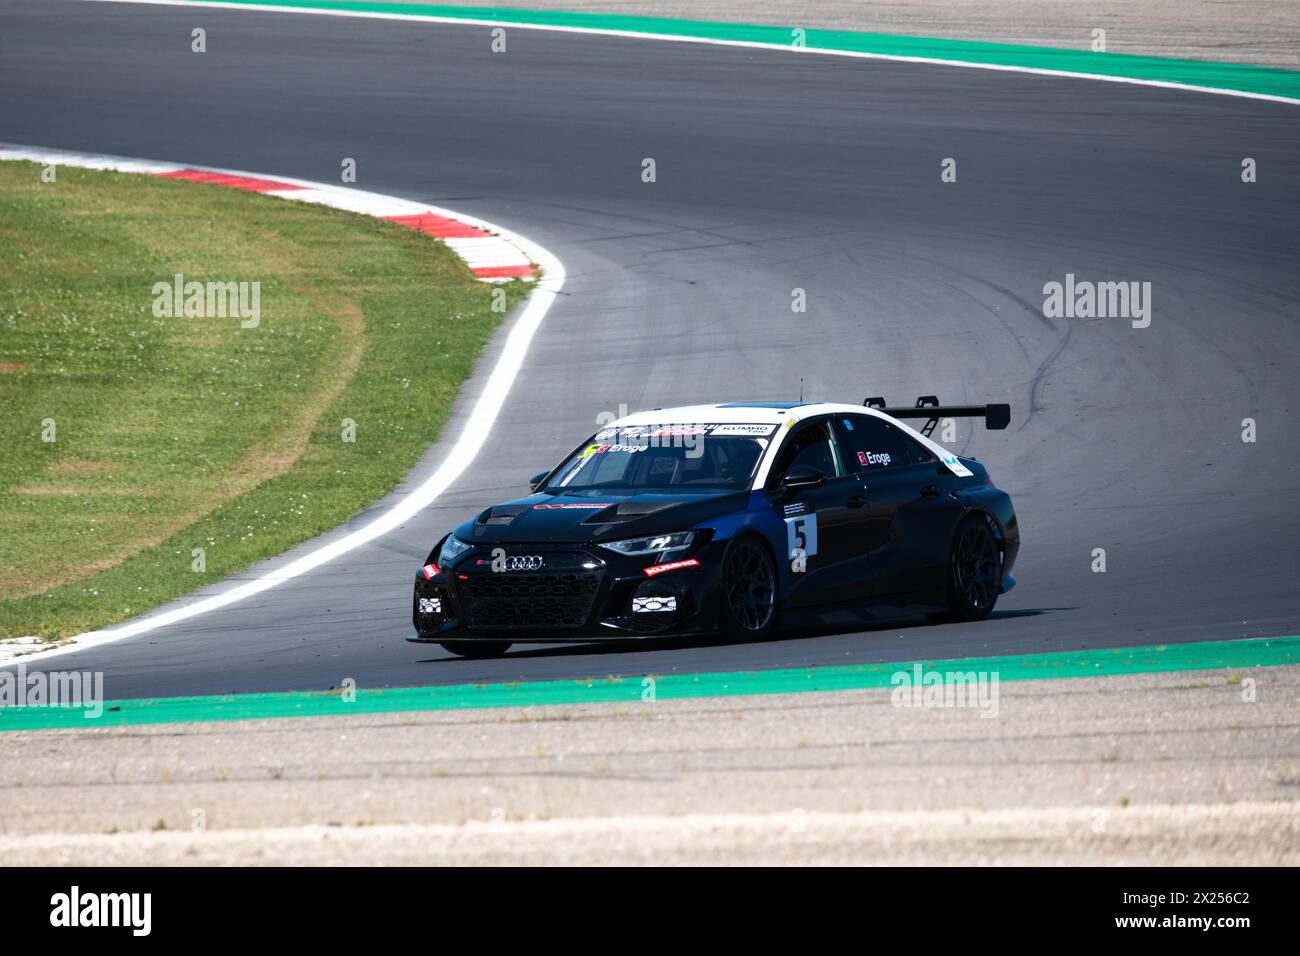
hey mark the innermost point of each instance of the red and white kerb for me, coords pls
(490, 257)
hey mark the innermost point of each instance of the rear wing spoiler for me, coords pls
(928, 407)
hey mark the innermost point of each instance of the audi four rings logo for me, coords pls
(524, 562)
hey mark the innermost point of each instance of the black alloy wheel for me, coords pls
(748, 591)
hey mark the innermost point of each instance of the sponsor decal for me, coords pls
(599, 449)
(431, 605)
(801, 539)
(662, 435)
(756, 431)
(797, 508)
(594, 505)
(650, 605)
(650, 431)
(956, 467)
(874, 457)
(429, 571)
(672, 566)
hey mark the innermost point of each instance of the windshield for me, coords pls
(667, 456)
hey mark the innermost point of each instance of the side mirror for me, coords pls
(536, 480)
(797, 479)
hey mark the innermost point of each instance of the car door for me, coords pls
(820, 522)
(902, 487)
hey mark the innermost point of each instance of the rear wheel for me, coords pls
(748, 598)
(974, 570)
(476, 649)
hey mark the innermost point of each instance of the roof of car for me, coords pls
(751, 412)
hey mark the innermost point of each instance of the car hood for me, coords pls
(589, 515)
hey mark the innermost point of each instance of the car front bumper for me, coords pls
(566, 593)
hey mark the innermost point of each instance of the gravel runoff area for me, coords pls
(1177, 768)
(1264, 32)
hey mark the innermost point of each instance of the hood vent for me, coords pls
(629, 511)
(501, 514)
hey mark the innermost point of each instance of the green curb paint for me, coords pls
(1208, 655)
(1258, 80)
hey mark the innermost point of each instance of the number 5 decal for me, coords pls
(801, 533)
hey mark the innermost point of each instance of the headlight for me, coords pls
(452, 548)
(655, 544)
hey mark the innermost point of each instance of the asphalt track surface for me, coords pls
(775, 171)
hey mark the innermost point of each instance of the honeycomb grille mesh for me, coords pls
(527, 600)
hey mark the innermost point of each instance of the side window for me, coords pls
(809, 447)
(920, 454)
(871, 444)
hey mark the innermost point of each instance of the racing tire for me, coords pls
(476, 650)
(974, 570)
(747, 593)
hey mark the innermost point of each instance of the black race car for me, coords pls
(715, 518)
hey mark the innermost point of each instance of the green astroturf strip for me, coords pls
(1207, 655)
(1228, 76)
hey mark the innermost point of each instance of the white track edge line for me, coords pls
(750, 44)
(472, 437)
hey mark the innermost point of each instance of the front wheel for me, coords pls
(974, 570)
(476, 649)
(748, 600)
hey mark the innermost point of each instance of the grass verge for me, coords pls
(130, 440)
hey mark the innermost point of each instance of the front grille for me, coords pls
(529, 600)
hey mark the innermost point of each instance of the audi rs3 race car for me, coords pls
(715, 518)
